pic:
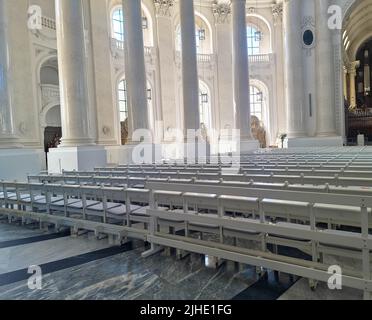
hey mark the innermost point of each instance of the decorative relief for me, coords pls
(221, 12)
(106, 130)
(308, 34)
(163, 7)
(23, 128)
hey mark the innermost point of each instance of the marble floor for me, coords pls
(87, 269)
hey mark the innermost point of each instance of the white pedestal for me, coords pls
(361, 140)
(16, 164)
(249, 146)
(76, 158)
(313, 142)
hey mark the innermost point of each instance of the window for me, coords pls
(205, 106)
(254, 37)
(200, 36)
(256, 100)
(123, 100)
(118, 24)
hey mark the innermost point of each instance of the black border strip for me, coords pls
(45, 237)
(20, 275)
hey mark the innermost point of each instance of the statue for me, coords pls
(124, 132)
(258, 131)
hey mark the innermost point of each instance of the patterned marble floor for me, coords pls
(84, 268)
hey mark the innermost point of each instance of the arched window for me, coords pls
(256, 99)
(253, 40)
(205, 105)
(118, 24)
(123, 100)
(199, 36)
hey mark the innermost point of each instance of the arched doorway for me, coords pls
(53, 129)
(357, 58)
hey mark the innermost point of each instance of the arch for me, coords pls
(148, 33)
(266, 24)
(45, 111)
(208, 34)
(121, 94)
(205, 105)
(266, 107)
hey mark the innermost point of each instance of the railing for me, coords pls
(204, 58)
(48, 23)
(50, 92)
(117, 47)
(261, 58)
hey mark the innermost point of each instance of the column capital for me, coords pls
(352, 67)
(277, 10)
(221, 12)
(164, 7)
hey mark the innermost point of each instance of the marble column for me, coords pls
(241, 69)
(293, 68)
(326, 122)
(7, 134)
(135, 65)
(190, 79)
(352, 75)
(72, 62)
(167, 73)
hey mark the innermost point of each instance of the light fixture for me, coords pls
(201, 34)
(145, 23)
(149, 94)
(258, 36)
(204, 98)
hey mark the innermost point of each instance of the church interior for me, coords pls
(185, 150)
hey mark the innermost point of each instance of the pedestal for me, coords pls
(361, 140)
(76, 158)
(16, 164)
(305, 142)
(249, 146)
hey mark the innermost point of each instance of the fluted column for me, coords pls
(190, 79)
(326, 122)
(72, 61)
(293, 70)
(7, 134)
(241, 69)
(135, 65)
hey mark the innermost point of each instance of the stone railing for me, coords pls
(49, 93)
(204, 60)
(261, 58)
(117, 50)
(48, 23)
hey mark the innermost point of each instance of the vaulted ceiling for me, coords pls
(357, 27)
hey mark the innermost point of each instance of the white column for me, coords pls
(326, 122)
(293, 68)
(7, 134)
(190, 79)
(135, 65)
(72, 60)
(241, 70)
(167, 70)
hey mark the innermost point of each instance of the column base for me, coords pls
(17, 164)
(76, 158)
(304, 142)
